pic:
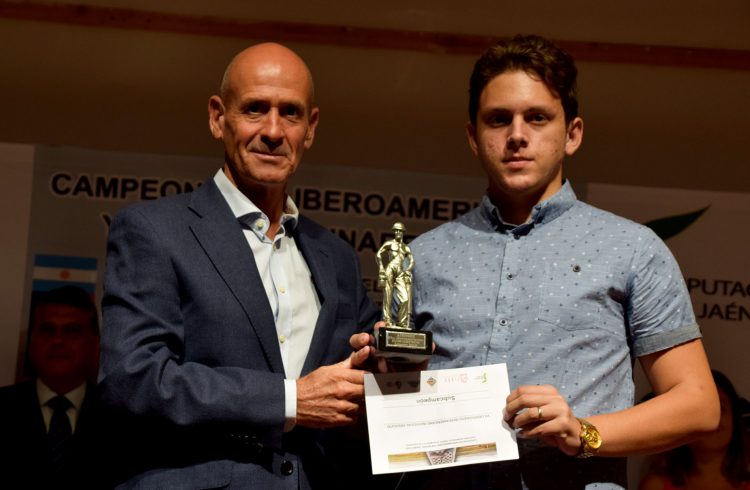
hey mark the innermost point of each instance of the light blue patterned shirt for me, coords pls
(569, 298)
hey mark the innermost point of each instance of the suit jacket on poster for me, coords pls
(24, 453)
(190, 359)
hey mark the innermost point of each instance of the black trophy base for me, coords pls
(403, 345)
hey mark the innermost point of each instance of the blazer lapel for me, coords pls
(33, 412)
(220, 235)
(323, 270)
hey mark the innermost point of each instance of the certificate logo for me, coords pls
(462, 378)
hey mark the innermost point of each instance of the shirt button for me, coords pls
(259, 224)
(282, 290)
(287, 468)
(282, 338)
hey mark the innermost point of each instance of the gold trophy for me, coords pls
(398, 341)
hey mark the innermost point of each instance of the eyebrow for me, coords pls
(505, 110)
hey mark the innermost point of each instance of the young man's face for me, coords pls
(521, 137)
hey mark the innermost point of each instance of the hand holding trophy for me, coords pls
(398, 341)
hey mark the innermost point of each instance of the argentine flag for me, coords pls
(53, 271)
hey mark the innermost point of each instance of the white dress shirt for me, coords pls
(288, 283)
(75, 397)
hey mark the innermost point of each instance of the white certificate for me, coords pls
(436, 419)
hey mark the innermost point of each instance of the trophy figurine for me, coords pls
(398, 341)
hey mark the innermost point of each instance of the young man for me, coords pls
(565, 294)
(227, 314)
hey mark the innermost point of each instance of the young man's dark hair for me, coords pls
(534, 55)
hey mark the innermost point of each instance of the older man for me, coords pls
(227, 314)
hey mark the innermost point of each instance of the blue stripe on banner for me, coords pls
(65, 262)
(39, 285)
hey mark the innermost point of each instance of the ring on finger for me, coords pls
(539, 413)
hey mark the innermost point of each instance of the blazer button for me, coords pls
(287, 468)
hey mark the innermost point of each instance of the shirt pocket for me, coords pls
(581, 295)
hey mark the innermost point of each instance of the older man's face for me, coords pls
(265, 118)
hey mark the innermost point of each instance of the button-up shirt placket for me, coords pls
(504, 302)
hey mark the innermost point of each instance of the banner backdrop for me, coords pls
(75, 193)
(709, 234)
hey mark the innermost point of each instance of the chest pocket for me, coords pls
(578, 296)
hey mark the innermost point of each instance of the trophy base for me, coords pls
(403, 345)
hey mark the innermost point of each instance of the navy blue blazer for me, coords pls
(190, 366)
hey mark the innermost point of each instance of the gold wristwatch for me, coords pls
(591, 441)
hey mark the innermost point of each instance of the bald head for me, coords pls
(266, 119)
(270, 58)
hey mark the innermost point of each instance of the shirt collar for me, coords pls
(545, 211)
(243, 207)
(75, 396)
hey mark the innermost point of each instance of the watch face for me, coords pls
(592, 438)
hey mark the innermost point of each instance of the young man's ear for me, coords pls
(216, 116)
(471, 135)
(574, 137)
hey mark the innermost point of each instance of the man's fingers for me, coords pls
(347, 369)
(359, 340)
(359, 357)
(529, 397)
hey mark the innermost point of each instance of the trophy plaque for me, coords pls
(397, 341)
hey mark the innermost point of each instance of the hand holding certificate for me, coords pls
(429, 419)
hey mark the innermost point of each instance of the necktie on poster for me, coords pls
(60, 431)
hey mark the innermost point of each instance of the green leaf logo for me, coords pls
(670, 226)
